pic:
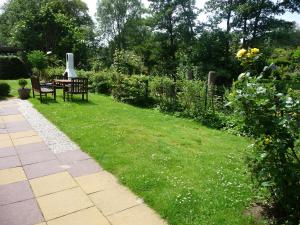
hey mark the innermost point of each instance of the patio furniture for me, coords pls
(75, 86)
(41, 89)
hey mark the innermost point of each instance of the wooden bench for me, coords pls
(41, 89)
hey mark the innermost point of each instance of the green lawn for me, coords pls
(190, 174)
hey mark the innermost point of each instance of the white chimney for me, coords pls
(70, 65)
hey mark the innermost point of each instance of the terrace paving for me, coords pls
(41, 184)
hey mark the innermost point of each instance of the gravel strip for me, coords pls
(56, 140)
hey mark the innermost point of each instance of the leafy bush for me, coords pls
(131, 89)
(4, 89)
(22, 83)
(192, 98)
(102, 82)
(52, 72)
(127, 62)
(38, 60)
(163, 90)
(272, 117)
(12, 67)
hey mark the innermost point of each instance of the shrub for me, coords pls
(127, 62)
(102, 82)
(4, 89)
(38, 60)
(52, 72)
(272, 117)
(163, 90)
(131, 89)
(22, 83)
(12, 67)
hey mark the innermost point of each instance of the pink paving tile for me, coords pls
(43, 169)
(18, 126)
(72, 156)
(36, 157)
(35, 147)
(8, 151)
(15, 192)
(21, 213)
(9, 162)
(84, 167)
(13, 110)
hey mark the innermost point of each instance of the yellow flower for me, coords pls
(241, 53)
(249, 55)
(254, 50)
(267, 141)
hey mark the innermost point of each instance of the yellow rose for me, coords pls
(249, 55)
(254, 50)
(241, 53)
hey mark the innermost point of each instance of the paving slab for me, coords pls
(12, 118)
(12, 175)
(34, 147)
(90, 216)
(115, 200)
(64, 202)
(27, 140)
(72, 156)
(36, 157)
(18, 126)
(12, 110)
(21, 213)
(7, 151)
(43, 169)
(97, 182)
(52, 183)
(9, 162)
(23, 134)
(15, 192)
(6, 143)
(138, 215)
(83, 167)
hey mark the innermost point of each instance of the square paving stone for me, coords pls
(90, 216)
(9, 111)
(137, 215)
(84, 167)
(15, 192)
(41, 223)
(8, 151)
(12, 118)
(52, 183)
(21, 213)
(11, 175)
(34, 147)
(23, 134)
(27, 140)
(36, 157)
(97, 182)
(43, 169)
(4, 137)
(18, 126)
(63, 203)
(9, 162)
(114, 200)
(72, 156)
(6, 143)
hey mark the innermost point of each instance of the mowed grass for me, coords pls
(188, 173)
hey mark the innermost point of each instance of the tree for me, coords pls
(59, 26)
(113, 16)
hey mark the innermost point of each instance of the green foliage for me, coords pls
(127, 62)
(37, 60)
(12, 67)
(102, 82)
(133, 89)
(163, 90)
(53, 72)
(272, 117)
(22, 83)
(4, 89)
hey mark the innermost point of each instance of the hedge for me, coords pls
(12, 67)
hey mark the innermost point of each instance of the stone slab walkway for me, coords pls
(42, 183)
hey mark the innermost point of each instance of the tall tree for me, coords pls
(113, 16)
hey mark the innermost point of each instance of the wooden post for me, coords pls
(209, 92)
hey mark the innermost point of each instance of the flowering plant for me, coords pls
(250, 59)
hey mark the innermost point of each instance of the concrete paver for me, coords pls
(39, 186)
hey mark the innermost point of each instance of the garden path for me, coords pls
(45, 179)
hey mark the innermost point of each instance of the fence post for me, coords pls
(209, 90)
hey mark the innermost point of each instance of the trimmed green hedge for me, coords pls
(4, 89)
(12, 67)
